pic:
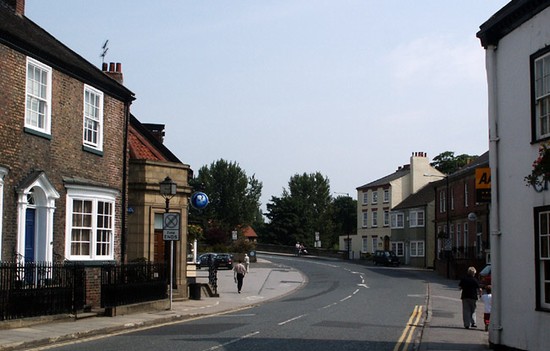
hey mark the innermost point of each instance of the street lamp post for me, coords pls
(168, 189)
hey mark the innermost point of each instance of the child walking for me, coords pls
(487, 299)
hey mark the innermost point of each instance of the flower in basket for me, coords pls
(540, 173)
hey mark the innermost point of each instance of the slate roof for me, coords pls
(401, 172)
(23, 35)
(144, 146)
(510, 17)
(422, 197)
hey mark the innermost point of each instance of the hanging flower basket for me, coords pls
(540, 173)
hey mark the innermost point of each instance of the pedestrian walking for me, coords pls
(246, 262)
(487, 299)
(239, 271)
(470, 292)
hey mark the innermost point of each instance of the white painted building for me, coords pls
(517, 44)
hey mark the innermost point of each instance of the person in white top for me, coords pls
(238, 273)
(487, 299)
(246, 262)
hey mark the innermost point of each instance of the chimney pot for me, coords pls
(111, 67)
(104, 67)
(118, 67)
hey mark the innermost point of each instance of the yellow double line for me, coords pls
(405, 340)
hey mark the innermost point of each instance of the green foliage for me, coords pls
(242, 245)
(345, 215)
(234, 198)
(446, 162)
(301, 211)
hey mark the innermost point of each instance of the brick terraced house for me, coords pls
(63, 151)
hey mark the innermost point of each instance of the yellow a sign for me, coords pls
(483, 184)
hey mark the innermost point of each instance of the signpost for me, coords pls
(171, 227)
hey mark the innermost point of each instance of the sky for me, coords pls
(347, 88)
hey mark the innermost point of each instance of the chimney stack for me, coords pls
(113, 70)
(157, 130)
(17, 5)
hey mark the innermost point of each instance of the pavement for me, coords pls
(441, 328)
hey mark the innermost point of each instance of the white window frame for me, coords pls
(92, 118)
(416, 218)
(386, 195)
(35, 95)
(374, 197)
(95, 196)
(542, 234)
(375, 218)
(398, 247)
(417, 248)
(365, 198)
(374, 243)
(452, 195)
(541, 72)
(365, 244)
(365, 219)
(386, 218)
(3, 173)
(443, 201)
(466, 194)
(397, 220)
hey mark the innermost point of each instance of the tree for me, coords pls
(446, 162)
(344, 216)
(234, 198)
(301, 211)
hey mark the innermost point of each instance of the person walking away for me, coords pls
(470, 291)
(487, 299)
(246, 262)
(239, 271)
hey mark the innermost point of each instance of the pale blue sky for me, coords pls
(349, 88)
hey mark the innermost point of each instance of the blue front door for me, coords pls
(29, 234)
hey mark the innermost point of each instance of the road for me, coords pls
(343, 306)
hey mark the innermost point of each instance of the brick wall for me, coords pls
(61, 155)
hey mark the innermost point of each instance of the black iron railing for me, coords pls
(133, 283)
(29, 289)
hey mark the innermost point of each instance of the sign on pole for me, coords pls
(171, 227)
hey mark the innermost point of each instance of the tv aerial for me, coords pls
(104, 50)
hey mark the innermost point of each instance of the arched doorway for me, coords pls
(36, 205)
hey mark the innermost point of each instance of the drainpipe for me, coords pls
(495, 238)
(124, 200)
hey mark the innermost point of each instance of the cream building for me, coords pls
(375, 201)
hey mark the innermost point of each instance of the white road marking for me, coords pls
(292, 319)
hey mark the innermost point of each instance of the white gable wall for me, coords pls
(514, 271)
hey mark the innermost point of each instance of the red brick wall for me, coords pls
(62, 155)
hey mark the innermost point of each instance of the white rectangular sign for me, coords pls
(171, 227)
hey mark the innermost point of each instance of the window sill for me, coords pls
(38, 133)
(92, 150)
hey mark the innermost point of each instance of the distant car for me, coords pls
(485, 276)
(385, 257)
(204, 259)
(224, 260)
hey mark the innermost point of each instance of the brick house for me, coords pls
(63, 159)
(461, 221)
